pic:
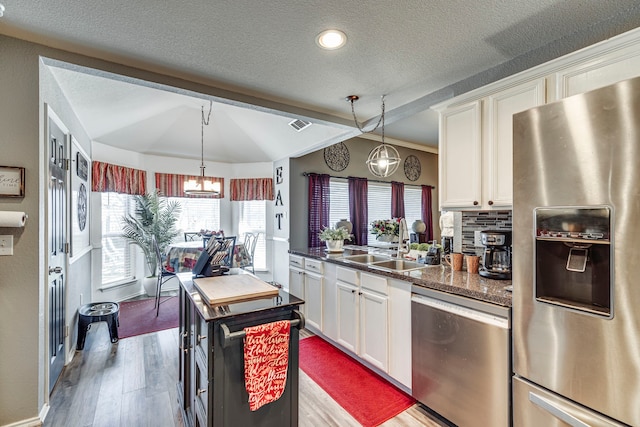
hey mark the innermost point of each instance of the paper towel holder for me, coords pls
(11, 219)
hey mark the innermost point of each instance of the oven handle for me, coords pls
(459, 310)
(558, 413)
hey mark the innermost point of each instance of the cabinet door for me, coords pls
(184, 360)
(347, 311)
(329, 303)
(459, 159)
(374, 341)
(400, 331)
(498, 172)
(296, 285)
(313, 291)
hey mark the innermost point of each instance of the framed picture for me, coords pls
(11, 181)
(79, 201)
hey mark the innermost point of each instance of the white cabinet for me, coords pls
(400, 331)
(374, 332)
(476, 148)
(314, 293)
(348, 301)
(329, 302)
(296, 278)
(362, 315)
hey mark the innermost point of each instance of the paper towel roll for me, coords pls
(12, 219)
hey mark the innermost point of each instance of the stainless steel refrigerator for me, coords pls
(576, 260)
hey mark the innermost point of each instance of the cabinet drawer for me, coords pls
(313, 265)
(374, 283)
(296, 260)
(347, 275)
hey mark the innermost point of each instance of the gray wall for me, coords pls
(359, 149)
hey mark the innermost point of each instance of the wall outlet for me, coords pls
(477, 241)
(6, 245)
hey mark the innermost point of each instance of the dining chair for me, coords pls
(164, 275)
(191, 236)
(250, 241)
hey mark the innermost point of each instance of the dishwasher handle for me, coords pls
(459, 310)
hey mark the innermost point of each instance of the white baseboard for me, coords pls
(31, 422)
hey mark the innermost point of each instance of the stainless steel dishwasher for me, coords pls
(461, 358)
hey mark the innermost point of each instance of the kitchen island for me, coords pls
(211, 386)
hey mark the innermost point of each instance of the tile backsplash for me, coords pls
(482, 220)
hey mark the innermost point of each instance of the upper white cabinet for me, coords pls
(476, 148)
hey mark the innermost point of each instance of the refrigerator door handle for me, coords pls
(555, 411)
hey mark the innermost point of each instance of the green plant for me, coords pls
(340, 233)
(414, 246)
(423, 247)
(153, 216)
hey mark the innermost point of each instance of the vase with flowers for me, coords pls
(334, 238)
(386, 230)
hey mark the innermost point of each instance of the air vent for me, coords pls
(299, 125)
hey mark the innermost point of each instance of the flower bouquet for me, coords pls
(386, 229)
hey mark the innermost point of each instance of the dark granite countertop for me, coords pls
(216, 312)
(438, 277)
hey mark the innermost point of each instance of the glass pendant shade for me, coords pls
(383, 161)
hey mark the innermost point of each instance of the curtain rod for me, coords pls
(370, 180)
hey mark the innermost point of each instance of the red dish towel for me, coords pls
(266, 359)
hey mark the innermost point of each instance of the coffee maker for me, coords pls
(496, 260)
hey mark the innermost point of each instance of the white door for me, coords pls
(57, 247)
(313, 300)
(374, 329)
(347, 311)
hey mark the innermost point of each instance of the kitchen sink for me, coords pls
(366, 258)
(397, 265)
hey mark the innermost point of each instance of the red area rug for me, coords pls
(139, 317)
(370, 399)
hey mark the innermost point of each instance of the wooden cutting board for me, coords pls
(233, 288)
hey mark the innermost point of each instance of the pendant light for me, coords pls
(383, 160)
(202, 186)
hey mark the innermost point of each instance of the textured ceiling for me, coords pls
(414, 51)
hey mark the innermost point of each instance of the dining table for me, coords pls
(182, 256)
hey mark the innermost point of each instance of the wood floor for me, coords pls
(133, 383)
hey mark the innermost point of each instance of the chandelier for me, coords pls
(383, 160)
(202, 186)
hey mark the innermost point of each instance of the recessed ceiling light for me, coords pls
(331, 39)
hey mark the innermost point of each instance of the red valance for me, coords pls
(251, 189)
(106, 177)
(172, 185)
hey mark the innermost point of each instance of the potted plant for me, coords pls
(153, 216)
(386, 230)
(334, 238)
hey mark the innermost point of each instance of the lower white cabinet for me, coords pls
(400, 327)
(348, 317)
(296, 284)
(313, 291)
(374, 343)
(329, 302)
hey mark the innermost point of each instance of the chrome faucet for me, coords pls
(403, 234)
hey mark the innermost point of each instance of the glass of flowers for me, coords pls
(386, 230)
(334, 238)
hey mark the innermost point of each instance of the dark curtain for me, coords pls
(397, 199)
(318, 207)
(358, 209)
(427, 214)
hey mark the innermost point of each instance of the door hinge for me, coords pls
(66, 330)
(67, 164)
(67, 248)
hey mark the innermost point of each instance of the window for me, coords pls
(379, 204)
(253, 219)
(197, 214)
(118, 264)
(339, 203)
(412, 204)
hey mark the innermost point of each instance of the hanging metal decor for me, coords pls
(336, 156)
(412, 169)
